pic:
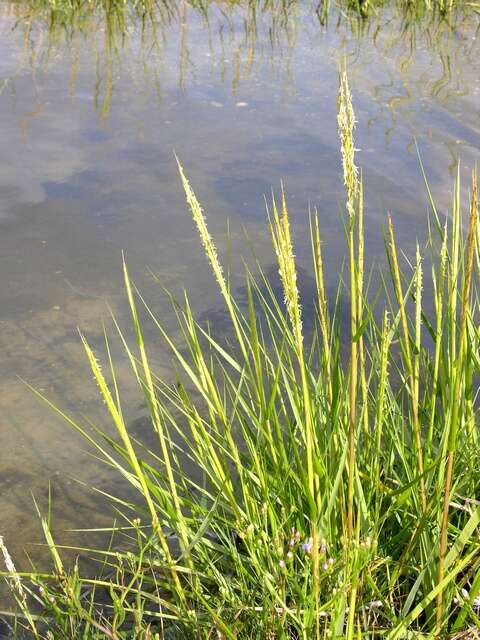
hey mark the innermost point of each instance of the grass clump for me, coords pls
(303, 486)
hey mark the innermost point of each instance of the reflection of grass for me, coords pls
(298, 489)
(242, 33)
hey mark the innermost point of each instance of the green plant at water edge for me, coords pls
(299, 489)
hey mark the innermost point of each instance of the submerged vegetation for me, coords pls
(302, 485)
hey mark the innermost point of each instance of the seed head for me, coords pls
(346, 126)
(14, 577)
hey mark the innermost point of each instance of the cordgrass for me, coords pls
(303, 486)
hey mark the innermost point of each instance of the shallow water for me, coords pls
(89, 118)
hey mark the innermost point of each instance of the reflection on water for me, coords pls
(91, 107)
(233, 41)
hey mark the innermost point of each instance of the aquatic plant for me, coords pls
(104, 34)
(304, 484)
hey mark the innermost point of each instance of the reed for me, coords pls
(293, 491)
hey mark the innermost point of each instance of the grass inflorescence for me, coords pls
(303, 486)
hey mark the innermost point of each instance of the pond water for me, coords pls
(92, 108)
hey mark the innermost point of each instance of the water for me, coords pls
(90, 113)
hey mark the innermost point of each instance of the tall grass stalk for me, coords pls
(407, 357)
(346, 124)
(459, 381)
(282, 242)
